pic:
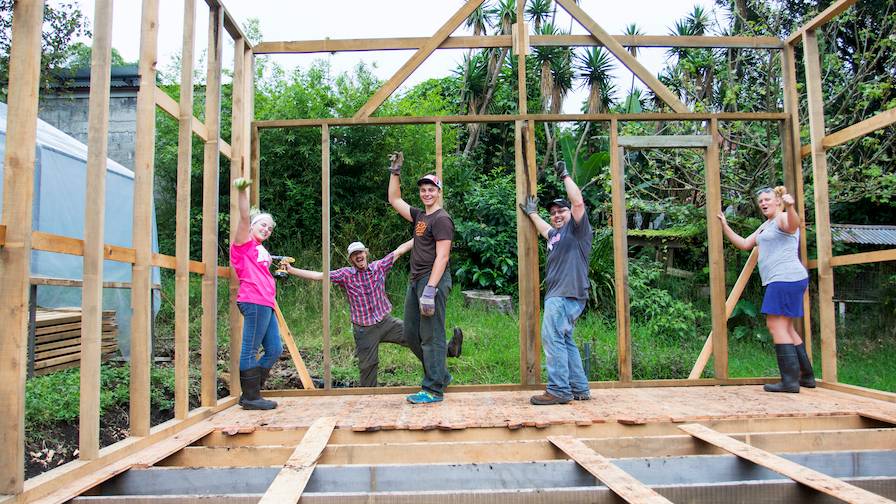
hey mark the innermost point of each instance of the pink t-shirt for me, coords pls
(252, 264)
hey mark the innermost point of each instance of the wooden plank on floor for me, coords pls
(617, 480)
(291, 481)
(141, 459)
(801, 474)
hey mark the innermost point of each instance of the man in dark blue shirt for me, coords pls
(569, 237)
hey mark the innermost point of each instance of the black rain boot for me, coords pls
(789, 366)
(251, 398)
(807, 375)
(264, 372)
(455, 344)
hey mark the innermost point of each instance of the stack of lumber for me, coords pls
(57, 339)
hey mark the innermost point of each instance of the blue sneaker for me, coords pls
(423, 397)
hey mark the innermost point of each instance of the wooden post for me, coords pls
(716, 253)
(15, 255)
(521, 32)
(620, 255)
(793, 170)
(325, 247)
(237, 159)
(527, 257)
(94, 222)
(439, 157)
(211, 169)
(815, 99)
(255, 169)
(144, 166)
(182, 219)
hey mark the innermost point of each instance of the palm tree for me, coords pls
(593, 70)
(538, 11)
(633, 30)
(479, 21)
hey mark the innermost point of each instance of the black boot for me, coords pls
(264, 372)
(789, 366)
(250, 381)
(455, 344)
(807, 375)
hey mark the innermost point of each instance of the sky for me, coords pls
(338, 19)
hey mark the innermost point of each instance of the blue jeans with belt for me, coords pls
(566, 375)
(260, 329)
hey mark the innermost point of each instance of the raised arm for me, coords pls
(789, 220)
(242, 198)
(737, 240)
(530, 208)
(396, 159)
(573, 193)
(403, 249)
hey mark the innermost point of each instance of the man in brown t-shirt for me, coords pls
(424, 306)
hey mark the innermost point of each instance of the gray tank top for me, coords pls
(779, 258)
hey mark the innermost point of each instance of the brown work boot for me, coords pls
(547, 399)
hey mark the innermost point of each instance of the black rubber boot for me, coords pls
(807, 375)
(789, 366)
(456, 343)
(264, 373)
(250, 381)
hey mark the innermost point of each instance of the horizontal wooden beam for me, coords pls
(860, 258)
(801, 474)
(67, 282)
(498, 41)
(860, 391)
(509, 118)
(476, 450)
(828, 14)
(169, 106)
(49, 242)
(860, 129)
(665, 141)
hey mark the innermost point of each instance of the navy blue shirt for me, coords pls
(569, 251)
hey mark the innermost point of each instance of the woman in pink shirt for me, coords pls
(255, 299)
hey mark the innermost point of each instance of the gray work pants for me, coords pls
(367, 345)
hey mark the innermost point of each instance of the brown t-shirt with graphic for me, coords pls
(428, 229)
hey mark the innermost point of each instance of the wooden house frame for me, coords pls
(148, 444)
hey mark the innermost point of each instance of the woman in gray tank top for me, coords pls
(785, 280)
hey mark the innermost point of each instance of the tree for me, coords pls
(63, 23)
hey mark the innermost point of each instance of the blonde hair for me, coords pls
(778, 191)
(256, 214)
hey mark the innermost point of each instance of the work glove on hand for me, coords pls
(428, 301)
(396, 159)
(242, 183)
(530, 206)
(560, 168)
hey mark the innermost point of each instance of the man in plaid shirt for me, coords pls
(372, 322)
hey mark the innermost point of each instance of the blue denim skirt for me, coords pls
(784, 298)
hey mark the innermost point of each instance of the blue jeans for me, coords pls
(259, 330)
(566, 376)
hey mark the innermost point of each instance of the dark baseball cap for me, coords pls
(558, 202)
(430, 179)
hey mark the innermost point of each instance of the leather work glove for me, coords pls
(560, 168)
(242, 183)
(396, 159)
(428, 301)
(530, 206)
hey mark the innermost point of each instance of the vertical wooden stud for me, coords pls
(815, 99)
(521, 33)
(211, 170)
(15, 255)
(255, 169)
(237, 158)
(182, 219)
(527, 257)
(144, 166)
(716, 253)
(325, 247)
(793, 169)
(620, 255)
(94, 222)
(439, 157)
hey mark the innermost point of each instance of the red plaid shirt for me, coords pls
(366, 290)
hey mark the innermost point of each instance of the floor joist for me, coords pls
(813, 479)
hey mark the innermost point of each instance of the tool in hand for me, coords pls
(282, 268)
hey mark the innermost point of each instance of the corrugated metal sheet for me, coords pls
(864, 234)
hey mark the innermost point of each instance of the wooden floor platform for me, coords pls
(511, 409)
